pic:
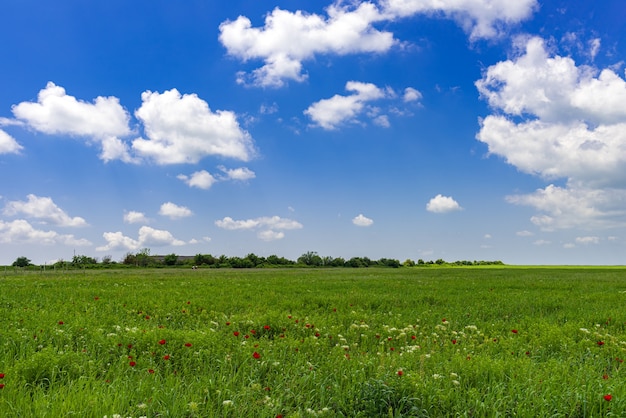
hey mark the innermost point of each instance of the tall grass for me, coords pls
(424, 342)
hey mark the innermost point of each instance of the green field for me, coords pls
(302, 342)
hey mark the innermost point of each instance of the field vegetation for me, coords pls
(369, 342)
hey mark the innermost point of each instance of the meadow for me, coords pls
(370, 342)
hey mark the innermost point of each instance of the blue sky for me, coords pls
(461, 129)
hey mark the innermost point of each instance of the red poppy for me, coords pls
(150, 371)
(608, 397)
(129, 346)
(1, 385)
(162, 342)
(266, 327)
(132, 364)
(228, 323)
(252, 331)
(605, 376)
(166, 357)
(147, 316)
(600, 343)
(1, 375)
(61, 322)
(514, 331)
(246, 336)
(279, 416)
(96, 298)
(256, 355)
(236, 333)
(187, 344)
(400, 372)
(413, 337)
(453, 341)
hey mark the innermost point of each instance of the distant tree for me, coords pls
(170, 259)
(129, 259)
(310, 258)
(21, 262)
(107, 259)
(408, 263)
(142, 258)
(204, 259)
(83, 260)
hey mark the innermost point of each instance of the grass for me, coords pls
(424, 342)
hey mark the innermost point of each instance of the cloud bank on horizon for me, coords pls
(346, 107)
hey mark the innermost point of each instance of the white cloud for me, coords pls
(587, 240)
(147, 237)
(560, 121)
(43, 209)
(289, 38)
(173, 211)
(201, 179)
(270, 235)
(411, 95)
(524, 234)
(20, 231)
(183, 129)
(55, 112)
(481, 18)
(134, 217)
(361, 220)
(8, 144)
(541, 242)
(240, 174)
(329, 113)
(274, 222)
(442, 204)
(271, 226)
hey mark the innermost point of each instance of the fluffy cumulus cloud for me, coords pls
(330, 113)
(559, 120)
(44, 210)
(8, 144)
(361, 220)
(183, 129)
(173, 211)
(411, 95)
(134, 217)
(442, 204)
(204, 180)
(147, 237)
(201, 179)
(21, 231)
(104, 121)
(480, 18)
(287, 39)
(269, 228)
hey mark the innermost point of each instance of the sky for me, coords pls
(405, 129)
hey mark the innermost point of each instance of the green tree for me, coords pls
(21, 262)
(310, 258)
(170, 259)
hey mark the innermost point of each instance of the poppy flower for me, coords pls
(453, 341)
(600, 343)
(266, 327)
(252, 331)
(151, 371)
(608, 397)
(61, 322)
(162, 342)
(228, 323)
(166, 357)
(400, 372)
(605, 376)
(1, 385)
(1, 375)
(132, 364)
(236, 333)
(514, 331)
(187, 344)
(256, 355)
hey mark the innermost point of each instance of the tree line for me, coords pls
(143, 258)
